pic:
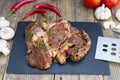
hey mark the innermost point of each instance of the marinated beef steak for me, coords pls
(58, 32)
(75, 47)
(38, 54)
(79, 45)
(57, 41)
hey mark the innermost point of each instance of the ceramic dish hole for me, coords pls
(105, 45)
(113, 53)
(105, 50)
(114, 44)
(114, 49)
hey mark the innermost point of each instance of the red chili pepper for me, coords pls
(48, 6)
(17, 5)
(43, 12)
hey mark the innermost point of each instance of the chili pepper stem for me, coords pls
(9, 14)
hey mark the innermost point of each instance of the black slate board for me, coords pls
(89, 65)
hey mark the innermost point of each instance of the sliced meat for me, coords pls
(38, 55)
(62, 56)
(75, 47)
(58, 33)
(80, 44)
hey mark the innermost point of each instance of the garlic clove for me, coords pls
(112, 24)
(5, 50)
(3, 43)
(98, 10)
(117, 27)
(7, 33)
(4, 22)
(106, 25)
(107, 16)
(4, 47)
(102, 16)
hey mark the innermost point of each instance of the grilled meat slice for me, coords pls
(58, 32)
(62, 54)
(38, 55)
(79, 45)
(75, 47)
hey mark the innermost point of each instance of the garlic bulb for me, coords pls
(4, 47)
(117, 15)
(102, 13)
(4, 22)
(7, 33)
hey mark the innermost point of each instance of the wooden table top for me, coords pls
(72, 10)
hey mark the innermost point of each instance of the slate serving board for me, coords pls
(89, 65)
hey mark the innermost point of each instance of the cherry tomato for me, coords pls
(110, 3)
(92, 3)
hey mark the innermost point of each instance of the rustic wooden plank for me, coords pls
(117, 35)
(50, 14)
(24, 9)
(114, 67)
(5, 7)
(115, 72)
(28, 77)
(13, 25)
(41, 77)
(91, 77)
(67, 9)
(4, 59)
(113, 14)
(15, 77)
(14, 20)
(83, 14)
(66, 77)
(1, 4)
(108, 32)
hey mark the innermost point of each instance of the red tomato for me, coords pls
(92, 3)
(110, 3)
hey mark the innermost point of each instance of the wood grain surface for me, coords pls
(72, 10)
